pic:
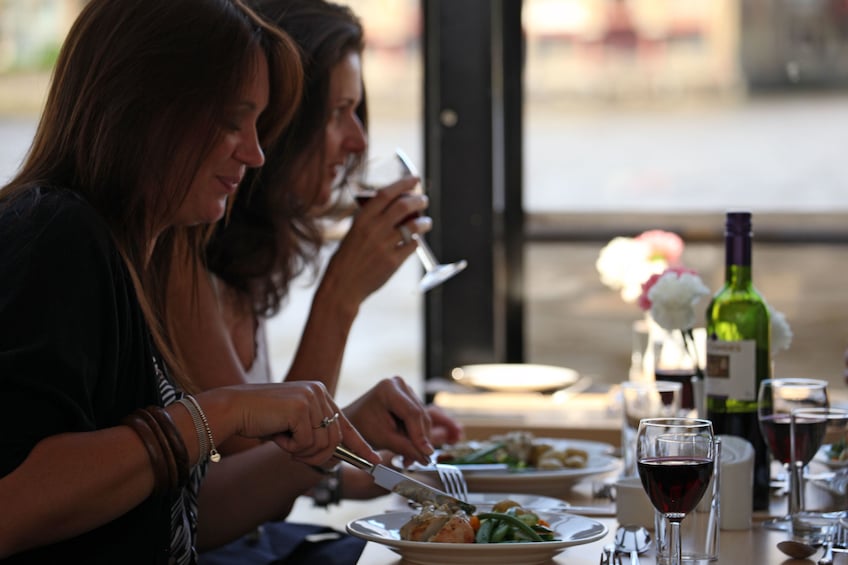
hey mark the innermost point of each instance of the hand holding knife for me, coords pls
(399, 483)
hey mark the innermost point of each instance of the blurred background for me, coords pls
(637, 114)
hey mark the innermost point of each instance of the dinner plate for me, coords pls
(486, 500)
(385, 529)
(548, 482)
(515, 377)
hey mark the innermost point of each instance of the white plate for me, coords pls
(553, 483)
(537, 503)
(385, 529)
(515, 377)
(821, 457)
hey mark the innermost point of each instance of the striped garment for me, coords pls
(184, 508)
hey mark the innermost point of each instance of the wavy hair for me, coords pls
(137, 100)
(269, 237)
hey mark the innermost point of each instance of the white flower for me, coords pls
(673, 297)
(625, 263)
(781, 333)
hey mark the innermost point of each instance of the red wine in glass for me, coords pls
(776, 401)
(675, 485)
(675, 459)
(366, 192)
(435, 273)
(808, 437)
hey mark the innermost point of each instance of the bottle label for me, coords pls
(732, 369)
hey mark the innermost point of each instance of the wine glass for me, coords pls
(776, 400)
(675, 458)
(380, 172)
(810, 428)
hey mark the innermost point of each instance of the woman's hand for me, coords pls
(374, 247)
(391, 416)
(444, 430)
(301, 417)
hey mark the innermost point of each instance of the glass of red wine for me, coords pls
(776, 400)
(810, 429)
(675, 458)
(382, 171)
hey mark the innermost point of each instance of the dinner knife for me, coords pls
(399, 483)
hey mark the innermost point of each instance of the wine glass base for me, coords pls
(783, 524)
(440, 273)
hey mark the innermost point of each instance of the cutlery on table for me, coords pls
(403, 485)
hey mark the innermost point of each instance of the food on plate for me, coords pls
(837, 452)
(438, 525)
(507, 522)
(518, 450)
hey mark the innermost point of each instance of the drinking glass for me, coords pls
(382, 171)
(810, 428)
(639, 400)
(776, 400)
(676, 459)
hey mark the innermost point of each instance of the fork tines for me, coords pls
(453, 481)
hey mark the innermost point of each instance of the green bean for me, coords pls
(513, 521)
(477, 456)
(500, 532)
(485, 531)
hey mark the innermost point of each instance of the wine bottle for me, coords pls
(738, 336)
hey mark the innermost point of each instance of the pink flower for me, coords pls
(644, 301)
(664, 245)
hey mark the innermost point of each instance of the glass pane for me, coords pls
(653, 110)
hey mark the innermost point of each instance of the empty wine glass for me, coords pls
(380, 172)
(776, 400)
(675, 458)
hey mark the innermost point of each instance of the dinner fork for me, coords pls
(453, 481)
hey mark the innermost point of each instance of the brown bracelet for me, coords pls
(167, 453)
(154, 451)
(175, 442)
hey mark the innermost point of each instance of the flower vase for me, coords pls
(675, 360)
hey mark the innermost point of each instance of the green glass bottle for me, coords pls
(738, 358)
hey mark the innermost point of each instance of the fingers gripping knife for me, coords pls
(400, 484)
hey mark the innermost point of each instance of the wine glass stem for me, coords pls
(425, 254)
(674, 549)
(796, 489)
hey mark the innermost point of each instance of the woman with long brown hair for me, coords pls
(156, 111)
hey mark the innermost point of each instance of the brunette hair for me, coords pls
(138, 98)
(269, 237)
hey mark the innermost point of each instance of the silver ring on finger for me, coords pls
(325, 423)
(405, 234)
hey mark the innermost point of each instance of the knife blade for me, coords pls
(403, 485)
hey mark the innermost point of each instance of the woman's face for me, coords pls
(238, 148)
(344, 134)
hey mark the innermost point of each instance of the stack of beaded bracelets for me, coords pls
(165, 447)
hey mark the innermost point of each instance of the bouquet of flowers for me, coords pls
(626, 262)
(671, 297)
(648, 269)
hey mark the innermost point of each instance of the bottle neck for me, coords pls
(738, 259)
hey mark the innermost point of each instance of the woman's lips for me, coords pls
(230, 183)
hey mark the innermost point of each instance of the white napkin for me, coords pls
(737, 480)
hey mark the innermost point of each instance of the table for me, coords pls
(590, 414)
(756, 546)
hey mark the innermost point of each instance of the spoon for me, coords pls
(796, 549)
(633, 540)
